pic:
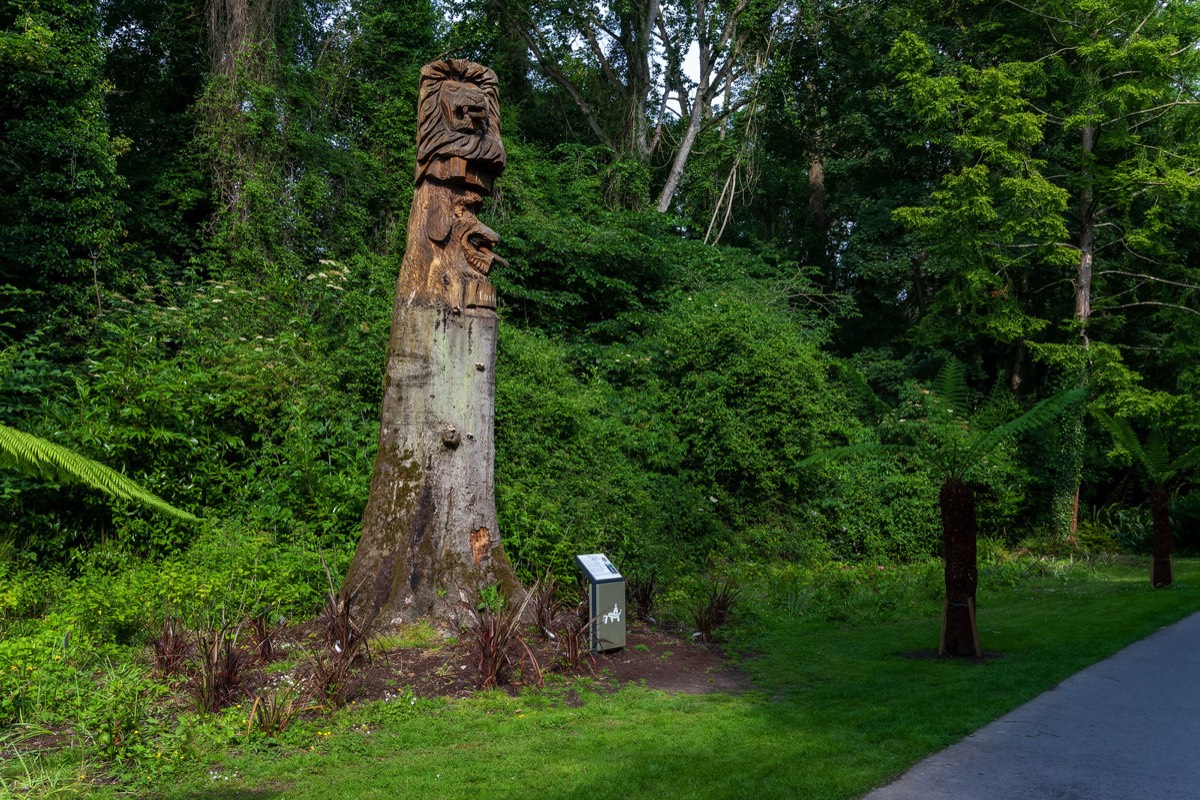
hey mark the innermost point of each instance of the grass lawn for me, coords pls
(836, 709)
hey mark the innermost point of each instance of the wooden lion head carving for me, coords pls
(458, 124)
(459, 156)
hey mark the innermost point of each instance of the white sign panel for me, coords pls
(598, 567)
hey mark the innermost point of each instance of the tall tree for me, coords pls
(1071, 165)
(625, 68)
(1121, 89)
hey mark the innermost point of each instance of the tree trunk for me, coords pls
(1160, 508)
(675, 174)
(959, 531)
(429, 531)
(1065, 499)
(429, 540)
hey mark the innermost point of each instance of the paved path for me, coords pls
(1127, 728)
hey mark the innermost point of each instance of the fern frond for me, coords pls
(1158, 456)
(1041, 414)
(36, 456)
(950, 386)
(1186, 461)
(850, 451)
(1122, 433)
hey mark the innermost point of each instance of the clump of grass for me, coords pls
(274, 711)
(495, 632)
(545, 606)
(30, 774)
(170, 646)
(418, 635)
(220, 669)
(573, 627)
(347, 634)
(264, 644)
(714, 610)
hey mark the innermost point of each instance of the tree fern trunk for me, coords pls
(959, 530)
(1160, 507)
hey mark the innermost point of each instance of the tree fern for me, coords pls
(36, 456)
(1122, 433)
(1041, 414)
(950, 385)
(1155, 455)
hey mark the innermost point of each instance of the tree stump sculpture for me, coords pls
(429, 540)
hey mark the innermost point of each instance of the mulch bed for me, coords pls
(652, 657)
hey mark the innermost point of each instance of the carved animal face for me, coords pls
(478, 242)
(455, 228)
(459, 154)
(458, 124)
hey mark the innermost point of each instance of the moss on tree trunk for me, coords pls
(429, 530)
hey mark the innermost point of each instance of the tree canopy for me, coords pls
(729, 225)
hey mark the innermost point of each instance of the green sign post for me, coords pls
(606, 602)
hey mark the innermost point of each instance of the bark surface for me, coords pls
(429, 540)
(1160, 508)
(959, 530)
(429, 531)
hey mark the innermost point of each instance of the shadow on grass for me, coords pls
(232, 794)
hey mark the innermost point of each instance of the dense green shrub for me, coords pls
(569, 473)
(220, 399)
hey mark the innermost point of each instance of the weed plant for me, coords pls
(715, 608)
(219, 676)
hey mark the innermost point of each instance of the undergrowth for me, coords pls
(113, 705)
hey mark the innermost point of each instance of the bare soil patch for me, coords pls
(653, 657)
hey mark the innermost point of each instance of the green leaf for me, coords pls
(36, 456)
(951, 387)
(1041, 414)
(850, 451)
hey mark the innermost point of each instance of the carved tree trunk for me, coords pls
(1160, 509)
(959, 530)
(429, 540)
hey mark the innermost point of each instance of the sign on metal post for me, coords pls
(606, 602)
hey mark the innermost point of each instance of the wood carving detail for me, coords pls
(459, 156)
(430, 539)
